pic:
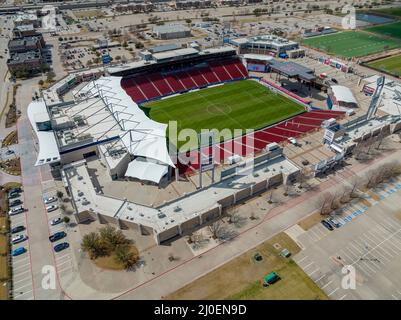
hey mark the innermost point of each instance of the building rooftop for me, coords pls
(170, 28)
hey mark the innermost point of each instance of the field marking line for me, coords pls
(343, 297)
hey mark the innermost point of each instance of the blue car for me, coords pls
(61, 246)
(57, 236)
(18, 251)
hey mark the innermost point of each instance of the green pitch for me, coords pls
(389, 30)
(390, 11)
(350, 44)
(242, 105)
(391, 65)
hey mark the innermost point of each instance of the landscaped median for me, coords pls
(5, 269)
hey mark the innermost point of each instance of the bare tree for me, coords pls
(221, 232)
(324, 203)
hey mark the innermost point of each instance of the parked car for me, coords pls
(50, 200)
(51, 208)
(293, 141)
(327, 225)
(61, 246)
(56, 221)
(18, 239)
(334, 80)
(17, 229)
(15, 210)
(16, 189)
(15, 202)
(8, 152)
(12, 195)
(334, 223)
(18, 251)
(57, 236)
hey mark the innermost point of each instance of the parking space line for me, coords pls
(382, 256)
(333, 291)
(307, 266)
(343, 297)
(320, 278)
(20, 267)
(326, 284)
(62, 257)
(64, 262)
(18, 274)
(368, 266)
(24, 279)
(19, 288)
(65, 269)
(317, 269)
(22, 294)
(395, 298)
(357, 249)
(302, 259)
(18, 261)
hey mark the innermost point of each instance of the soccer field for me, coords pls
(391, 65)
(351, 44)
(391, 30)
(242, 105)
(390, 11)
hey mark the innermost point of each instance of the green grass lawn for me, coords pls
(352, 43)
(237, 105)
(390, 11)
(390, 30)
(242, 277)
(391, 65)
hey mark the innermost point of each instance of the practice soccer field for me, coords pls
(390, 11)
(244, 104)
(391, 65)
(350, 44)
(390, 30)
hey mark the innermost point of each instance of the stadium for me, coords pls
(212, 89)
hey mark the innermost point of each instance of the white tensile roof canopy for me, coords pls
(140, 135)
(343, 94)
(146, 170)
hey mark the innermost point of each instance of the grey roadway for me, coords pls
(40, 250)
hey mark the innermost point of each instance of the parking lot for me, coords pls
(369, 239)
(22, 272)
(23, 284)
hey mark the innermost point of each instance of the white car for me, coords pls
(293, 141)
(50, 200)
(56, 221)
(51, 208)
(18, 239)
(15, 210)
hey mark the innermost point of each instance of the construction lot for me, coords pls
(369, 240)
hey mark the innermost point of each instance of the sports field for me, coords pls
(396, 12)
(242, 105)
(390, 65)
(350, 44)
(390, 30)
